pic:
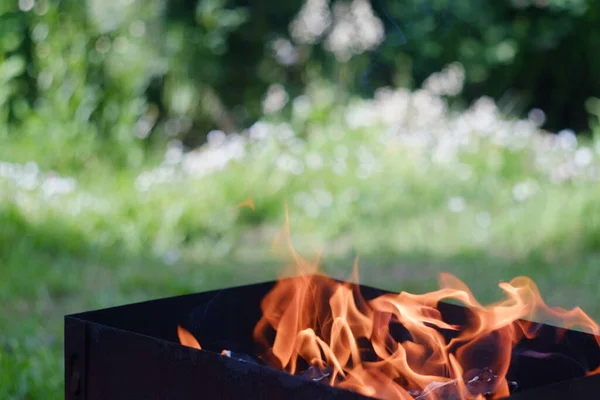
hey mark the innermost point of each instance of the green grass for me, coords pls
(44, 287)
(486, 215)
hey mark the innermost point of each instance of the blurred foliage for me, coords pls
(75, 72)
(90, 74)
(523, 53)
(472, 193)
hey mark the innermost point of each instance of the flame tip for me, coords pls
(187, 339)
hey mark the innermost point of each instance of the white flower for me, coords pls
(537, 117)
(314, 161)
(275, 99)
(584, 157)
(311, 22)
(484, 219)
(54, 185)
(323, 198)
(356, 29)
(288, 163)
(524, 190)
(567, 140)
(457, 204)
(448, 82)
(259, 131)
(301, 107)
(361, 115)
(285, 52)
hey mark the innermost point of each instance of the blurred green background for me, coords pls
(422, 135)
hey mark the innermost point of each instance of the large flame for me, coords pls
(396, 346)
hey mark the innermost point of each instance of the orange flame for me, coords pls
(315, 321)
(187, 339)
(321, 322)
(249, 202)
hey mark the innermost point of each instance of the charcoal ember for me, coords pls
(481, 381)
(440, 390)
(239, 356)
(478, 382)
(318, 374)
(485, 382)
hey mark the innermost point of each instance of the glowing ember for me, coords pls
(398, 346)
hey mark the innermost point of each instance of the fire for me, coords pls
(322, 323)
(187, 339)
(398, 346)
